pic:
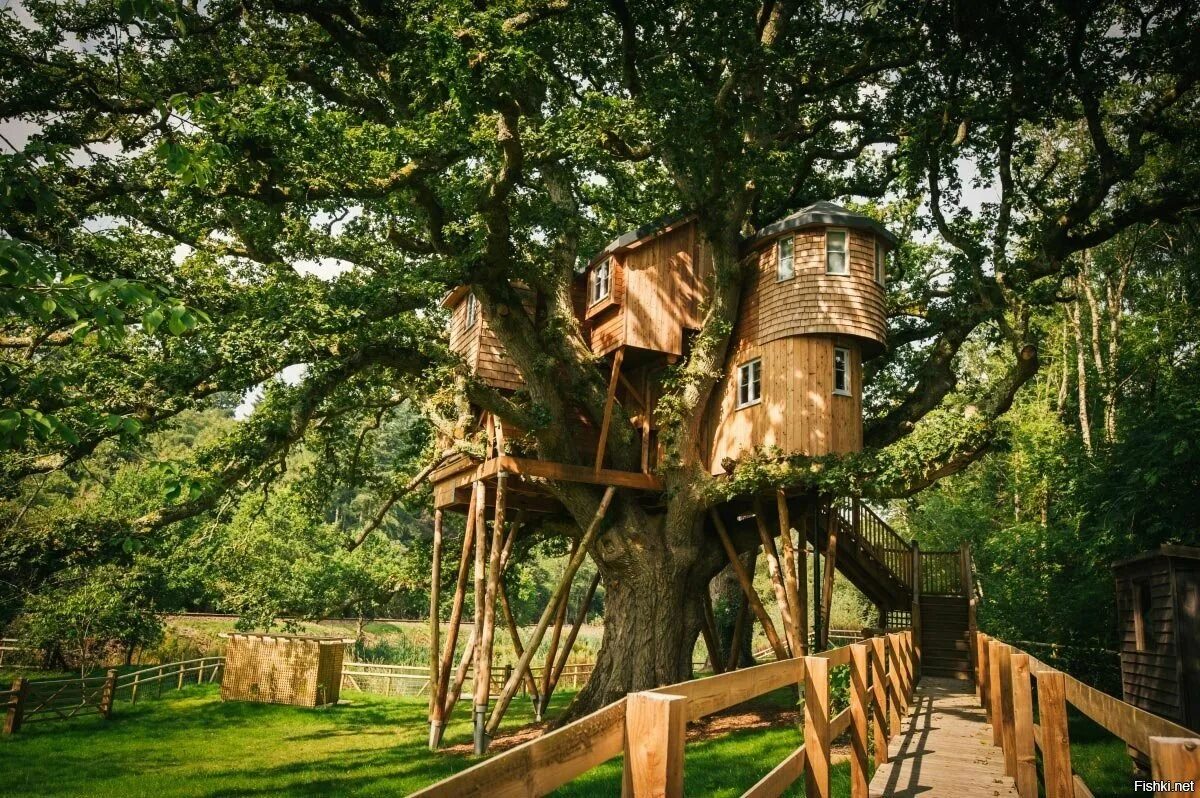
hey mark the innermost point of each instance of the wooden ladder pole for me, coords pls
(1026, 755)
(790, 578)
(608, 408)
(580, 618)
(655, 734)
(776, 572)
(1175, 760)
(712, 640)
(748, 587)
(1056, 739)
(860, 701)
(879, 706)
(435, 588)
(996, 711)
(437, 724)
(536, 640)
(482, 697)
(817, 718)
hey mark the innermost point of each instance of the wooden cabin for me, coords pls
(1158, 610)
(812, 311)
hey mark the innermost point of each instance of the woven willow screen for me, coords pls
(300, 670)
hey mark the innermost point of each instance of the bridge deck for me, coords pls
(944, 748)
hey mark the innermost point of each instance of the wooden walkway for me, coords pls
(944, 748)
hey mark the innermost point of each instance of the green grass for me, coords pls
(1099, 758)
(192, 744)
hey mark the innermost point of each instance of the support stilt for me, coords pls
(802, 576)
(608, 407)
(712, 641)
(565, 653)
(539, 631)
(560, 617)
(775, 571)
(456, 611)
(830, 572)
(515, 634)
(735, 641)
(435, 587)
(748, 588)
(799, 611)
(482, 669)
(484, 672)
(816, 583)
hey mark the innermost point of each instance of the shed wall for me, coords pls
(1149, 677)
(281, 670)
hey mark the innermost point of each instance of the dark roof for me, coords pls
(1165, 550)
(822, 214)
(819, 214)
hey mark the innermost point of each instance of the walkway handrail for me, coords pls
(1004, 679)
(885, 543)
(649, 728)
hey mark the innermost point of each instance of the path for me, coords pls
(944, 748)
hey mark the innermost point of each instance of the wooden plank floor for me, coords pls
(944, 749)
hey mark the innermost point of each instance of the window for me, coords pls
(749, 383)
(880, 262)
(1141, 613)
(472, 310)
(841, 371)
(783, 257)
(836, 261)
(601, 281)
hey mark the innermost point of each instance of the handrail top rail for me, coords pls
(217, 658)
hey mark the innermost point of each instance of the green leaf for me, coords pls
(152, 319)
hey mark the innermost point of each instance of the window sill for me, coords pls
(750, 404)
(843, 393)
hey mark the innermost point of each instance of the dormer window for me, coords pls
(472, 310)
(841, 371)
(836, 259)
(880, 262)
(749, 383)
(786, 269)
(601, 283)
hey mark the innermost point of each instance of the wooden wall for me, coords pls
(481, 349)
(1150, 677)
(799, 413)
(282, 669)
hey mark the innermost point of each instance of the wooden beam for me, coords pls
(565, 653)
(484, 673)
(456, 612)
(1056, 740)
(830, 571)
(1026, 776)
(608, 408)
(860, 703)
(560, 617)
(740, 622)
(655, 734)
(435, 587)
(748, 587)
(712, 640)
(565, 472)
(879, 704)
(479, 707)
(514, 633)
(817, 716)
(1175, 760)
(460, 678)
(790, 575)
(775, 571)
(540, 630)
(802, 577)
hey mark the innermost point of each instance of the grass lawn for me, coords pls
(192, 744)
(1099, 758)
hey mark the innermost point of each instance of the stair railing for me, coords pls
(883, 542)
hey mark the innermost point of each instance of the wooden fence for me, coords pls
(33, 700)
(10, 649)
(413, 680)
(1007, 680)
(649, 728)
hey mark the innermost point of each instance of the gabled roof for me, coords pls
(662, 224)
(822, 214)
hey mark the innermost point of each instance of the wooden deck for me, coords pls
(944, 748)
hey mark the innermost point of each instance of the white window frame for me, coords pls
(594, 284)
(472, 310)
(880, 262)
(847, 389)
(845, 251)
(780, 276)
(749, 377)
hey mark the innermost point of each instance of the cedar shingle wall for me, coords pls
(481, 349)
(1149, 677)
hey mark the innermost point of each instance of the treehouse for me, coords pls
(812, 310)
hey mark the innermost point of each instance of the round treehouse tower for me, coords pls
(812, 311)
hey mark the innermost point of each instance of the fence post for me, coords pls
(879, 706)
(910, 664)
(981, 670)
(159, 679)
(1056, 741)
(816, 728)
(655, 732)
(994, 708)
(1006, 710)
(137, 677)
(916, 599)
(16, 706)
(1027, 780)
(1175, 759)
(893, 666)
(180, 685)
(860, 700)
(108, 693)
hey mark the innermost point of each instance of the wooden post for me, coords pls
(180, 685)
(916, 603)
(158, 692)
(1027, 779)
(816, 582)
(479, 704)
(608, 408)
(580, 617)
(655, 733)
(895, 699)
(879, 707)
(997, 714)
(536, 640)
(435, 587)
(437, 724)
(712, 640)
(802, 579)
(910, 667)
(137, 677)
(790, 575)
(860, 700)
(968, 580)
(484, 670)
(518, 648)
(16, 706)
(1008, 737)
(108, 693)
(817, 782)
(735, 641)
(460, 677)
(830, 573)
(1175, 760)
(775, 571)
(560, 618)
(985, 676)
(748, 587)
(1056, 740)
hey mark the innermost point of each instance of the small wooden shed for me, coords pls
(1158, 606)
(302, 670)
